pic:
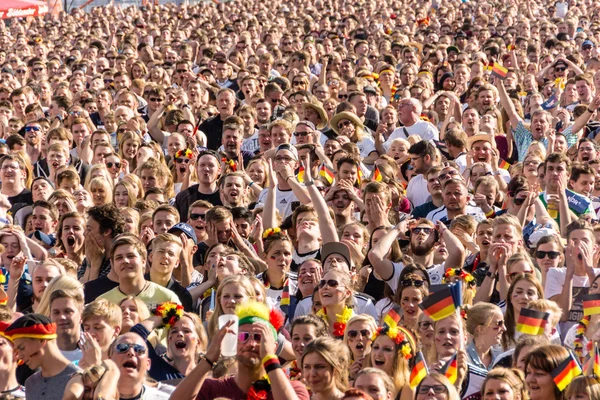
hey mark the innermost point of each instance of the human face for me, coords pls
(8, 361)
(426, 330)
(447, 337)
(42, 275)
(409, 302)
(231, 296)
(57, 159)
(279, 135)
(257, 173)
(433, 386)
(482, 152)
(586, 152)
(227, 265)
(383, 354)
(353, 232)
(279, 256)
(12, 173)
(317, 372)
(360, 345)
(130, 149)
(495, 389)
(208, 169)
(127, 262)
(491, 334)
(333, 295)
(72, 234)
(66, 313)
(507, 234)
(301, 336)
(121, 196)
(165, 258)
(100, 330)
(30, 351)
(373, 385)
(540, 384)
(234, 190)
(43, 221)
(183, 339)
(11, 246)
(309, 276)
(99, 195)
(130, 313)
(132, 366)
(163, 221)
(584, 185)
(523, 293)
(582, 236)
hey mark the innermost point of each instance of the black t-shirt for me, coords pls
(187, 197)
(96, 288)
(213, 129)
(375, 288)
(424, 209)
(23, 197)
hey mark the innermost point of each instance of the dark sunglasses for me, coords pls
(38, 69)
(32, 128)
(156, 99)
(301, 134)
(124, 348)
(344, 124)
(243, 337)
(181, 71)
(363, 332)
(195, 217)
(553, 255)
(412, 282)
(182, 160)
(418, 230)
(21, 71)
(519, 201)
(108, 81)
(560, 69)
(587, 47)
(447, 175)
(332, 283)
(342, 96)
(111, 164)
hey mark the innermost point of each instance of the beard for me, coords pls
(421, 249)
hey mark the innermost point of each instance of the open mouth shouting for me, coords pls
(180, 344)
(130, 365)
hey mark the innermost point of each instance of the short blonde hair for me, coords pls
(166, 238)
(104, 309)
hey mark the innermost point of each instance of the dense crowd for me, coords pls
(302, 200)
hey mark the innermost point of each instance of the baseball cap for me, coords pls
(185, 229)
(587, 43)
(336, 248)
(289, 148)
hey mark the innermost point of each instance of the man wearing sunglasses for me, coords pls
(130, 354)
(33, 139)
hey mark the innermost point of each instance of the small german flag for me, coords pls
(566, 371)
(532, 322)
(499, 71)
(596, 361)
(392, 318)
(591, 304)
(326, 173)
(419, 371)
(300, 175)
(360, 175)
(450, 370)
(439, 305)
(504, 165)
(376, 177)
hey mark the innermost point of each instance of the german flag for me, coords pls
(392, 318)
(300, 175)
(566, 371)
(360, 176)
(596, 361)
(499, 71)
(591, 304)
(419, 371)
(326, 173)
(532, 322)
(376, 177)
(439, 305)
(504, 165)
(450, 370)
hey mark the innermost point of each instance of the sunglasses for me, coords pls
(108, 80)
(344, 124)
(332, 283)
(182, 160)
(412, 282)
(111, 164)
(587, 47)
(301, 134)
(447, 175)
(560, 69)
(195, 217)
(519, 201)
(363, 332)
(553, 255)
(499, 324)
(425, 325)
(21, 71)
(124, 348)
(342, 96)
(154, 99)
(181, 71)
(418, 230)
(32, 128)
(38, 69)
(243, 337)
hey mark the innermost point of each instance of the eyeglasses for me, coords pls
(195, 217)
(32, 128)
(560, 69)
(418, 230)
(587, 47)
(363, 332)
(332, 283)
(124, 348)
(519, 201)
(412, 282)
(344, 124)
(302, 134)
(111, 164)
(243, 337)
(499, 324)
(342, 96)
(425, 325)
(21, 71)
(13, 167)
(38, 69)
(155, 99)
(437, 389)
(553, 255)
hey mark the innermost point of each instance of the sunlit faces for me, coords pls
(410, 300)
(11, 173)
(507, 234)
(127, 262)
(540, 384)
(334, 294)
(164, 257)
(317, 372)
(447, 336)
(66, 313)
(43, 220)
(233, 191)
(383, 354)
(162, 221)
(8, 360)
(491, 334)
(11, 248)
(432, 389)
(279, 255)
(131, 316)
(301, 336)
(183, 339)
(307, 225)
(523, 293)
(133, 365)
(309, 275)
(41, 277)
(208, 169)
(347, 171)
(30, 351)
(101, 331)
(359, 339)
(227, 264)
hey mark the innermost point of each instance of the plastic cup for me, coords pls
(229, 345)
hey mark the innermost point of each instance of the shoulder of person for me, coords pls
(363, 297)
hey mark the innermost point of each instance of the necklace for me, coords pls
(339, 327)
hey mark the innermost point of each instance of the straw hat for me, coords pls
(350, 117)
(480, 137)
(319, 110)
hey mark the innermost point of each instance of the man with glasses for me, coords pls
(409, 115)
(33, 139)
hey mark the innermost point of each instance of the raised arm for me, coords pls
(270, 211)
(326, 223)
(456, 251)
(377, 256)
(507, 104)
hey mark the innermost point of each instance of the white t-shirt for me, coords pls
(435, 272)
(555, 280)
(441, 213)
(250, 144)
(426, 130)
(366, 147)
(283, 202)
(416, 191)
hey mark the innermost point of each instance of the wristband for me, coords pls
(271, 363)
(490, 214)
(590, 110)
(250, 184)
(269, 357)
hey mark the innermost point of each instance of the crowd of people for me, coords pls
(301, 178)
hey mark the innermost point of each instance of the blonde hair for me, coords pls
(101, 182)
(131, 192)
(450, 388)
(336, 354)
(584, 385)
(63, 283)
(142, 308)
(244, 283)
(104, 309)
(166, 238)
(367, 319)
(137, 182)
(480, 314)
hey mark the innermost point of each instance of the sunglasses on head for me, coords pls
(332, 283)
(182, 160)
(412, 282)
(363, 332)
(243, 337)
(553, 255)
(124, 348)
(195, 217)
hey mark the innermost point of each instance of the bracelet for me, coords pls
(269, 357)
(211, 363)
(250, 184)
(590, 110)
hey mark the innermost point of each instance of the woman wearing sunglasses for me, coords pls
(436, 387)
(485, 324)
(325, 368)
(336, 293)
(358, 337)
(183, 174)
(411, 292)
(348, 125)
(549, 253)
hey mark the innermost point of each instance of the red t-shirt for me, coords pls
(213, 388)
